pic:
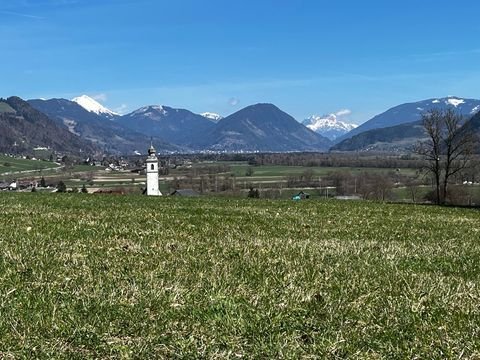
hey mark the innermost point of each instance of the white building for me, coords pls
(152, 173)
(13, 185)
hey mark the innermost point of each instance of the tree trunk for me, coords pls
(437, 181)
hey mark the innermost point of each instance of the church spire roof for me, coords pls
(151, 150)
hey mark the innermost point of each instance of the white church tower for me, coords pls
(152, 173)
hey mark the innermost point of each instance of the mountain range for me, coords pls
(177, 126)
(396, 138)
(96, 124)
(260, 127)
(399, 128)
(84, 125)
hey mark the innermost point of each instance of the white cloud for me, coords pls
(343, 112)
(30, 16)
(100, 97)
(122, 109)
(233, 101)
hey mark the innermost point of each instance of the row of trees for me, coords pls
(307, 159)
(61, 188)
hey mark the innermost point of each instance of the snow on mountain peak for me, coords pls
(158, 108)
(92, 105)
(212, 116)
(330, 121)
(152, 111)
(329, 125)
(454, 101)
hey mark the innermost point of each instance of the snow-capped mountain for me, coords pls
(212, 116)
(411, 112)
(93, 106)
(20, 120)
(104, 130)
(400, 128)
(328, 125)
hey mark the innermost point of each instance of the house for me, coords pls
(185, 192)
(301, 196)
(13, 185)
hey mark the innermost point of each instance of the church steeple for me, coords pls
(152, 172)
(152, 151)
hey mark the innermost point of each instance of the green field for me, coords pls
(11, 165)
(85, 276)
(273, 171)
(4, 107)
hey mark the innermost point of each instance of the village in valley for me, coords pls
(397, 178)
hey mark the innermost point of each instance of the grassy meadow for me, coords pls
(273, 171)
(11, 165)
(4, 107)
(85, 276)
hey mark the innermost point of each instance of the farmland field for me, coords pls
(278, 170)
(12, 165)
(85, 276)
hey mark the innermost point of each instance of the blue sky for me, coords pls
(307, 57)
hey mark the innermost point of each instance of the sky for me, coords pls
(355, 58)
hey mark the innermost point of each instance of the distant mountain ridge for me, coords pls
(399, 138)
(263, 127)
(411, 112)
(23, 128)
(178, 126)
(260, 127)
(98, 127)
(396, 138)
(403, 136)
(473, 125)
(328, 125)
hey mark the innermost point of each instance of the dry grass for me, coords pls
(117, 277)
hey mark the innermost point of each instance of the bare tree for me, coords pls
(413, 187)
(447, 149)
(431, 148)
(383, 185)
